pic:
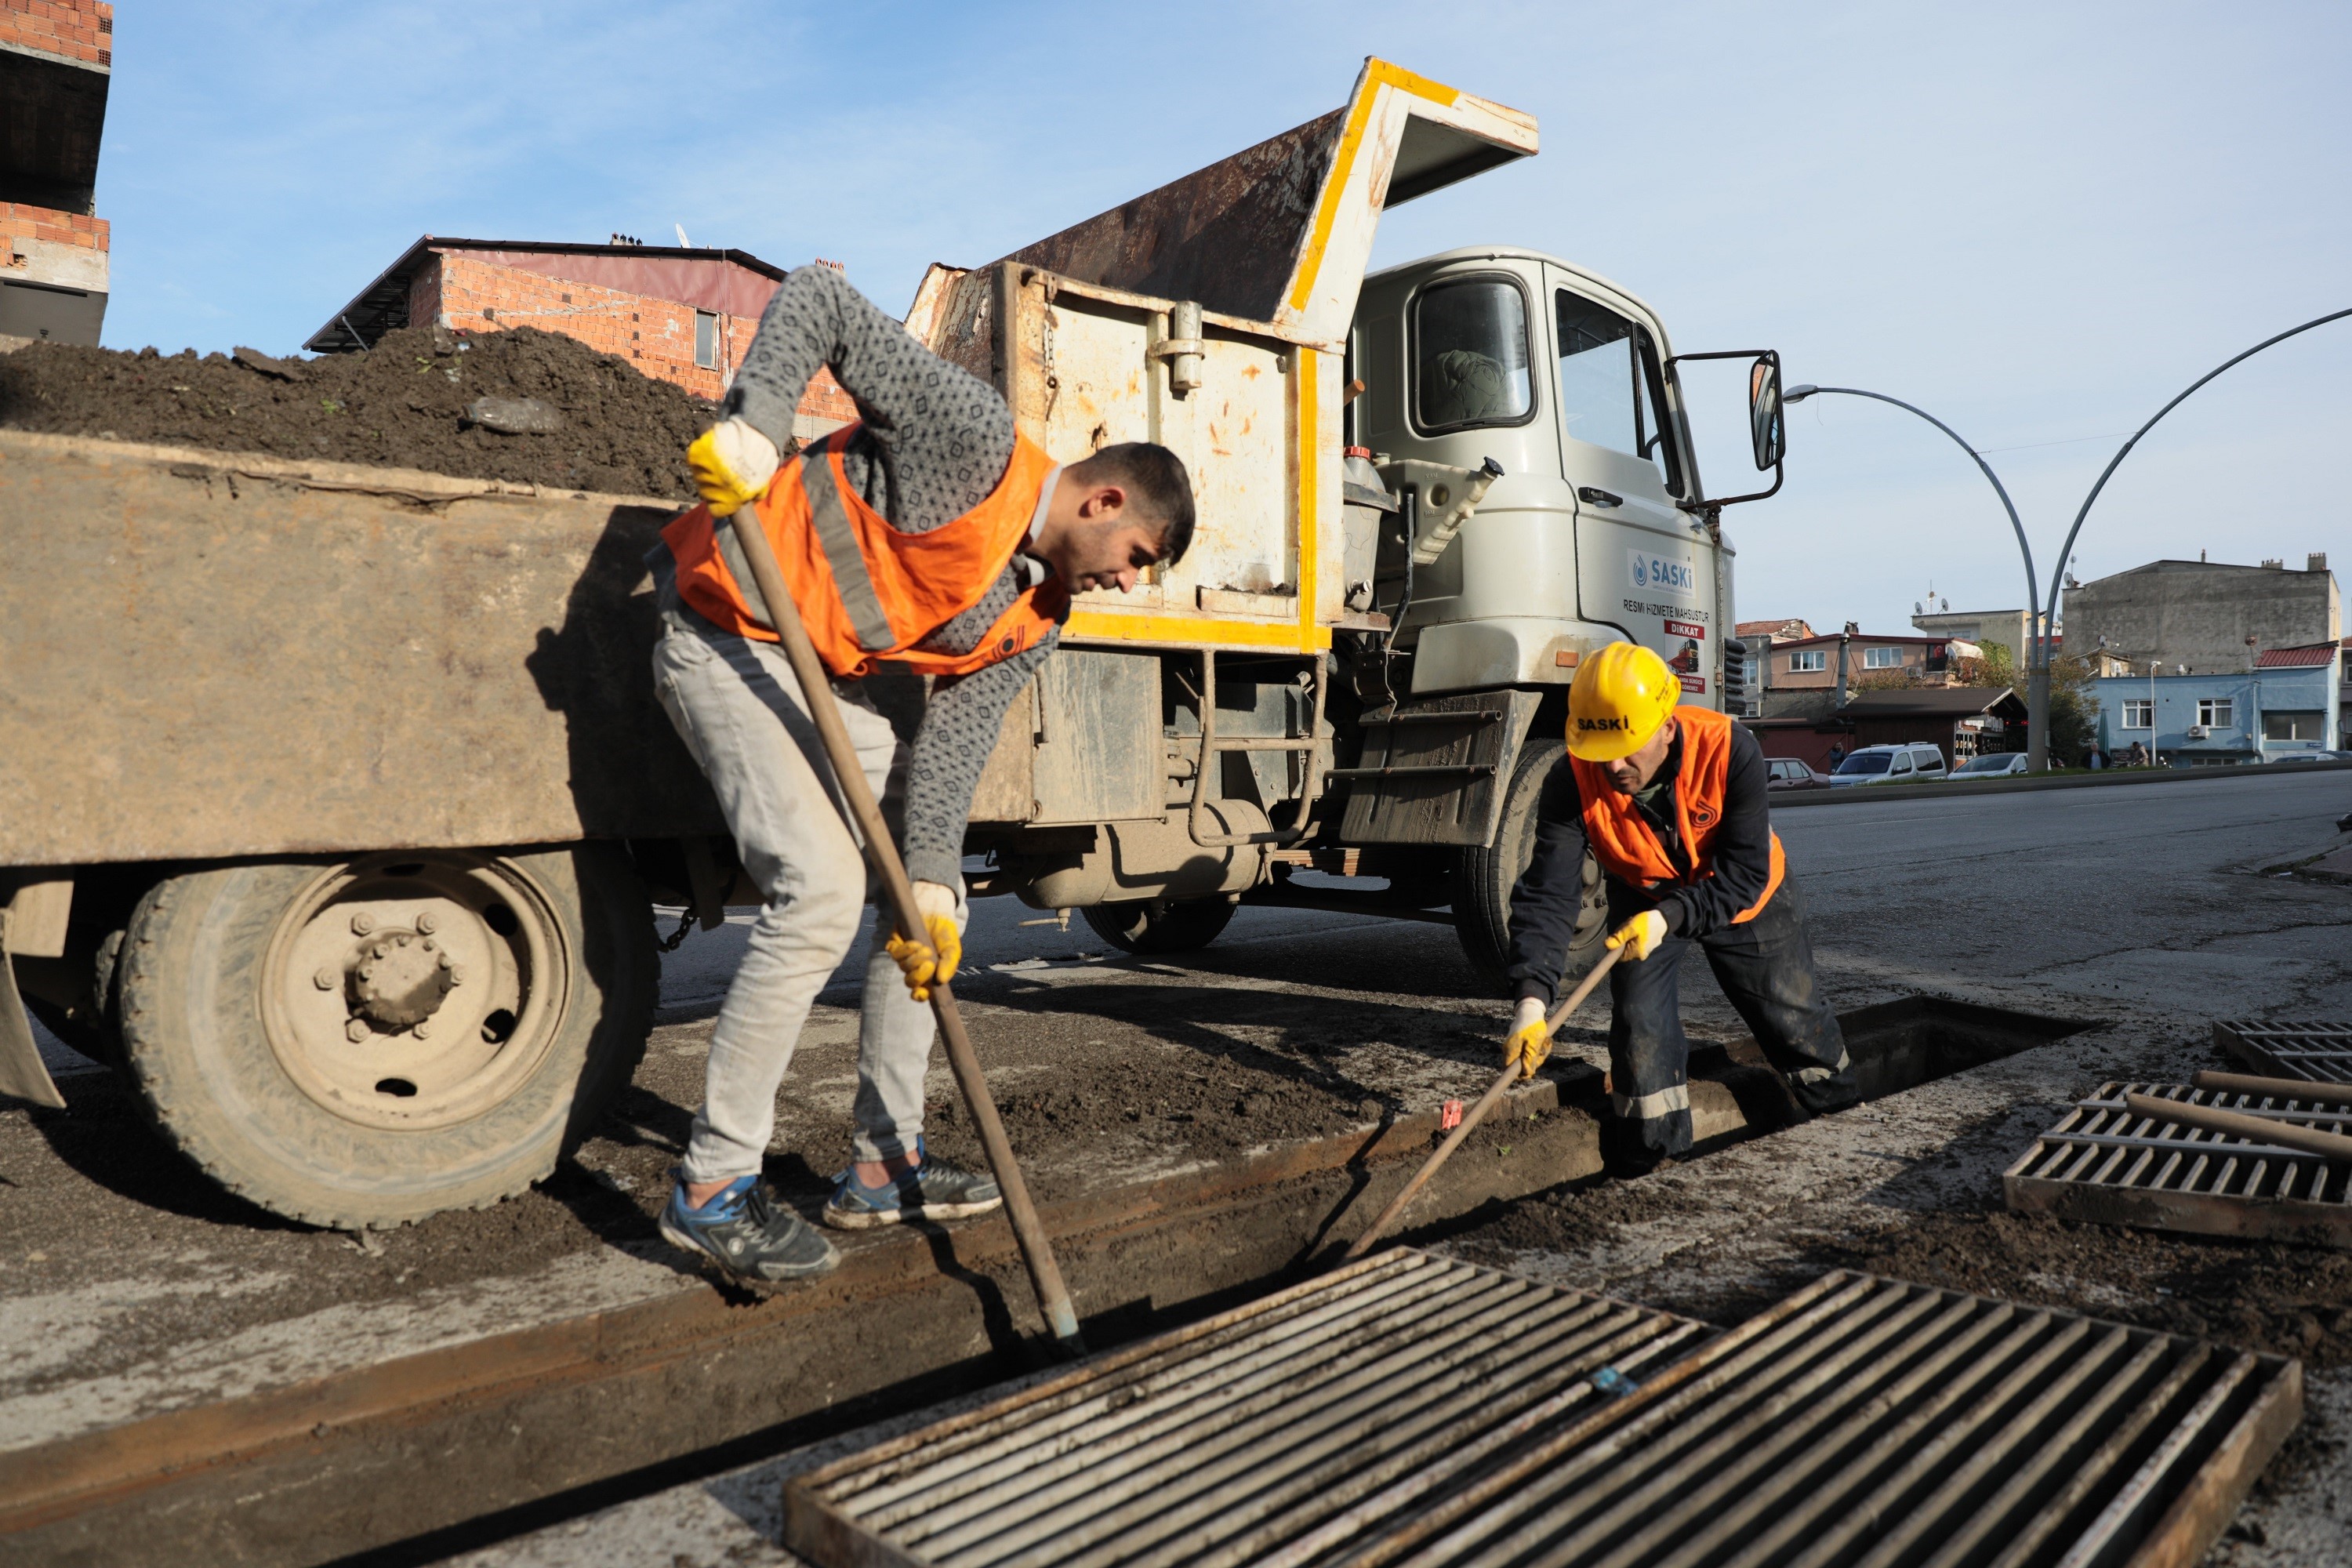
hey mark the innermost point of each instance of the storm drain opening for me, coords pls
(1418, 1411)
(2319, 1052)
(2110, 1164)
(1903, 1043)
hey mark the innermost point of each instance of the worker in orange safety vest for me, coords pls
(1671, 801)
(932, 551)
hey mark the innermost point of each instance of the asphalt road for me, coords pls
(2042, 884)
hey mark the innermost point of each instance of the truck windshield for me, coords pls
(1865, 762)
(1471, 343)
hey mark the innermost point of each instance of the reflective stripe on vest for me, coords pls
(839, 543)
(869, 591)
(1630, 850)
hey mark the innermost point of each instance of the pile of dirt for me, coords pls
(2262, 1295)
(402, 404)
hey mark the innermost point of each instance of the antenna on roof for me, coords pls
(683, 243)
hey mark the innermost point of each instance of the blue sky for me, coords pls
(2037, 221)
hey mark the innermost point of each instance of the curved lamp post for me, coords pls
(2037, 651)
(2066, 551)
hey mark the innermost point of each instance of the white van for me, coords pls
(1904, 763)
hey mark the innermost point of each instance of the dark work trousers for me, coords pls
(1766, 969)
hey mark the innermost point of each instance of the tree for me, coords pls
(2073, 716)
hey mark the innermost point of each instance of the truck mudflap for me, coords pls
(1435, 771)
(23, 1074)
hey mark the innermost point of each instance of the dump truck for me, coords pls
(335, 802)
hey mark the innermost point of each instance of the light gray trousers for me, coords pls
(740, 711)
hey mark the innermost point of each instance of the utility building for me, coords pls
(56, 58)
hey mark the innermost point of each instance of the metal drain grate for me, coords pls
(1428, 1413)
(2286, 1049)
(1222, 1441)
(2105, 1163)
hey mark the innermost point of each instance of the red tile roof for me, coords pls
(2311, 657)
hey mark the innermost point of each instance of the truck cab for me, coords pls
(1563, 380)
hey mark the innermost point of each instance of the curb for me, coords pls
(1854, 793)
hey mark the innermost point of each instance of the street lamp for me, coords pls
(2065, 551)
(2037, 687)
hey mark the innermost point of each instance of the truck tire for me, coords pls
(1482, 887)
(364, 1044)
(1156, 925)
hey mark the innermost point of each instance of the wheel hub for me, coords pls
(401, 979)
(415, 992)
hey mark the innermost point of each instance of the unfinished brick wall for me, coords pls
(18, 221)
(76, 29)
(466, 293)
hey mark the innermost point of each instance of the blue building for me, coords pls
(2286, 704)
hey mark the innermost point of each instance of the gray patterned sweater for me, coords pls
(937, 443)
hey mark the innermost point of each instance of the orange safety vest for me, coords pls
(1628, 849)
(868, 592)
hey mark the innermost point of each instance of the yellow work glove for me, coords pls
(1530, 1039)
(1641, 933)
(732, 464)
(925, 962)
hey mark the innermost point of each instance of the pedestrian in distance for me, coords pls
(1837, 755)
(932, 551)
(1673, 803)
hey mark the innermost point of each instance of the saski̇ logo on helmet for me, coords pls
(1662, 572)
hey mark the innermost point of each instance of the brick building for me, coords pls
(56, 58)
(1811, 663)
(683, 315)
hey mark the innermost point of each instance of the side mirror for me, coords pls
(1767, 433)
(1768, 439)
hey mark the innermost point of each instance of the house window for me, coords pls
(2139, 713)
(706, 340)
(1811, 660)
(2217, 713)
(1882, 657)
(2294, 726)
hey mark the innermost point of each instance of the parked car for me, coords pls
(1789, 772)
(1992, 766)
(1897, 763)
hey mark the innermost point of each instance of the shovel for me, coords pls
(1477, 1113)
(816, 689)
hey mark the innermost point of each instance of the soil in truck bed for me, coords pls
(402, 404)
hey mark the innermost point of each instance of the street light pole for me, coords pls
(2066, 551)
(2037, 687)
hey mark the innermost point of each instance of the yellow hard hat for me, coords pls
(1622, 696)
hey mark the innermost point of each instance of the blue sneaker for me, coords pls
(932, 1189)
(743, 1235)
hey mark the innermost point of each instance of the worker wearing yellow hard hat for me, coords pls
(1671, 802)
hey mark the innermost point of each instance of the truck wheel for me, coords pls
(369, 1043)
(1160, 926)
(1482, 887)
